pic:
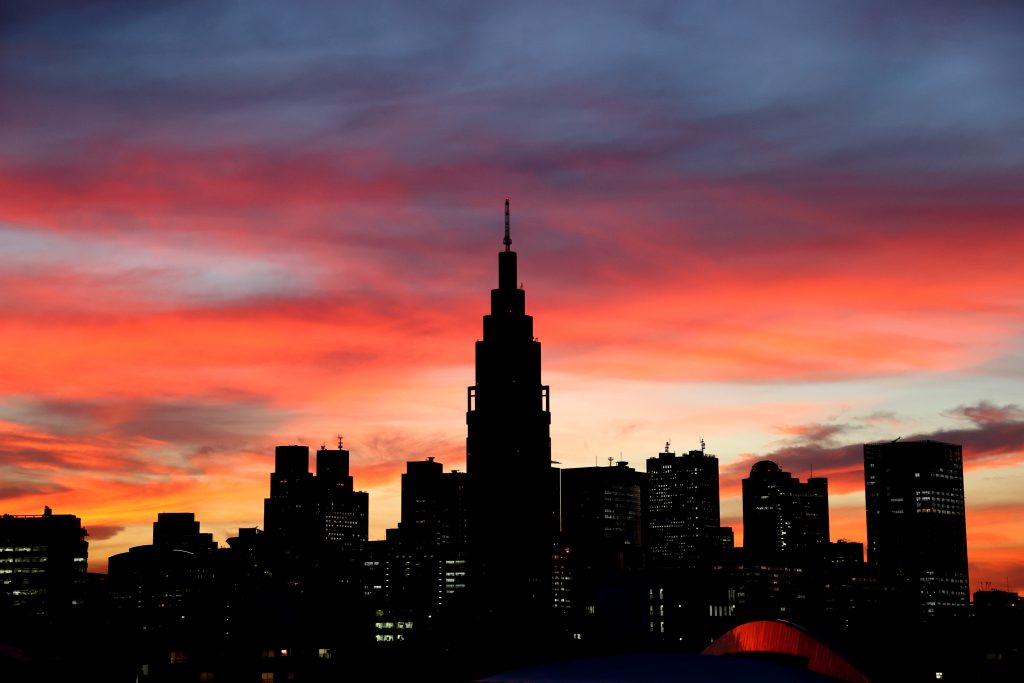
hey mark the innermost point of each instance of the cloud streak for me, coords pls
(994, 438)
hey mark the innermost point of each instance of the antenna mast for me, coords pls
(508, 238)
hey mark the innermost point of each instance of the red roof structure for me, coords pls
(781, 638)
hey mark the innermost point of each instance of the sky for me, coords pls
(785, 228)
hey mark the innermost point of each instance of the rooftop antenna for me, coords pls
(702, 444)
(610, 460)
(340, 441)
(323, 445)
(508, 238)
(667, 444)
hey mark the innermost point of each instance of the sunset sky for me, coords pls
(787, 228)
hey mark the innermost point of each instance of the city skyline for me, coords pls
(207, 257)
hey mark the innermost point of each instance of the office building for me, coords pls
(43, 562)
(426, 555)
(917, 535)
(311, 514)
(683, 525)
(781, 514)
(683, 540)
(602, 529)
(167, 587)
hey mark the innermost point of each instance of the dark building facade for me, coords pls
(917, 534)
(424, 574)
(43, 562)
(166, 589)
(310, 514)
(314, 550)
(601, 515)
(781, 514)
(602, 528)
(683, 540)
(682, 525)
(508, 459)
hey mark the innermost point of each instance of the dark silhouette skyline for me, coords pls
(230, 228)
(515, 562)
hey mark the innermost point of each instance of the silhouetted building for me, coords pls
(426, 555)
(43, 562)
(166, 589)
(180, 531)
(782, 514)
(998, 631)
(315, 520)
(682, 525)
(683, 542)
(787, 568)
(508, 458)
(917, 535)
(314, 549)
(602, 527)
(601, 516)
(752, 586)
(851, 593)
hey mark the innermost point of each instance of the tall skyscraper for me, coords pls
(917, 535)
(315, 510)
(316, 524)
(601, 517)
(683, 518)
(603, 528)
(682, 539)
(508, 459)
(428, 551)
(782, 514)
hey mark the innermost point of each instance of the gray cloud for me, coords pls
(180, 420)
(103, 532)
(996, 435)
(19, 489)
(793, 83)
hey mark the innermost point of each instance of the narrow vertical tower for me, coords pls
(508, 459)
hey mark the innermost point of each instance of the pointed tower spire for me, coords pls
(508, 238)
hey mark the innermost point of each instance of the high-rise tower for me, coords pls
(783, 514)
(682, 515)
(917, 532)
(508, 459)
